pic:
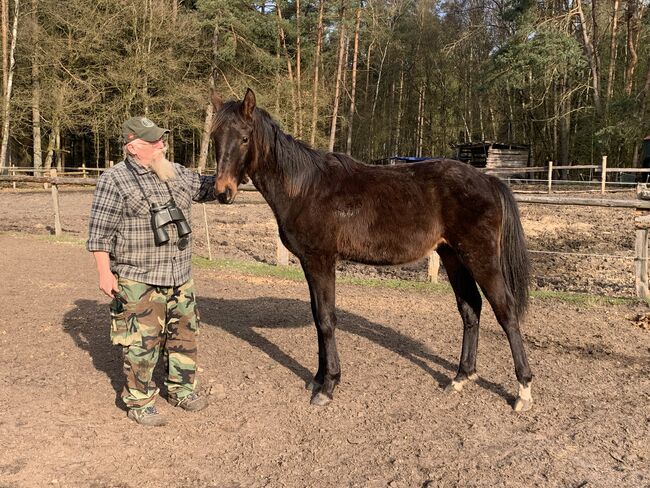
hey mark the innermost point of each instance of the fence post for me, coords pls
(207, 231)
(641, 263)
(110, 164)
(83, 170)
(434, 267)
(603, 175)
(550, 176)
(55, 201)
(13, 173)
(281, 253)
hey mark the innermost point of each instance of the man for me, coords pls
(140, 236)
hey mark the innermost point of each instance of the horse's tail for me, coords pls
(515, 263)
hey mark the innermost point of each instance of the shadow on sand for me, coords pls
(88, 325)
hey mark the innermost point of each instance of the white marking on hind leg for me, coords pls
(525, 400)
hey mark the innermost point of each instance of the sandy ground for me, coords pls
(391, 422)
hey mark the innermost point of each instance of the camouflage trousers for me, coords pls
(146, 319)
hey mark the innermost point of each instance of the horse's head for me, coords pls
(232, 135)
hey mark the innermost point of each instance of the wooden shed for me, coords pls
(493, 154)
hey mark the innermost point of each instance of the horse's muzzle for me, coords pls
(226, 197)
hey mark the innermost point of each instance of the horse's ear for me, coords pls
(248, 104)
(216, 99)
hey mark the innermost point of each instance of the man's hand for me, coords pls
(108, 284)
(107, 281)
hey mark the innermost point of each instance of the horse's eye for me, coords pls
(244, 140)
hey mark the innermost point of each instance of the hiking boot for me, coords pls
(148, 416)
(192, 402)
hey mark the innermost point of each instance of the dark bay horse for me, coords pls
(329, 206)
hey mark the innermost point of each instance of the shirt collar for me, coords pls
(141, 170)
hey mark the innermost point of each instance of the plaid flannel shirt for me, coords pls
(120, 222)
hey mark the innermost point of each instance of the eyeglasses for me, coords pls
(142, 142)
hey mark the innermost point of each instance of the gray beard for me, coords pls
(164, 169)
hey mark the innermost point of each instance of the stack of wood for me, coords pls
(494, 154)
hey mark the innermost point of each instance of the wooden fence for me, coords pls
(641, 221)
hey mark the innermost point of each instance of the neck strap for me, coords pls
(129, 165)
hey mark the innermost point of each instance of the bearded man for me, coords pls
(140, 236)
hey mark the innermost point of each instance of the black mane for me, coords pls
(302, 167)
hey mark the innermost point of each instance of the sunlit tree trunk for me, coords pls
(7, 95)
(5, 50)
(339, 71)
(209, 109)
(612, 56)
(314, 98)
(283, 43)
(398, 125)
(353, 88)
(420, 125)
(36, 92)
(299, 69)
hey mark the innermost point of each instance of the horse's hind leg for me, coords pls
(468, 300)
(494, 287)
(320, 272)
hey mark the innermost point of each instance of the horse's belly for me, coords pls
(385, 252)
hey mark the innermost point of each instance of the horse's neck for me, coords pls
(270, 181)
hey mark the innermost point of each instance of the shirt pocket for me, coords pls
(136, 206)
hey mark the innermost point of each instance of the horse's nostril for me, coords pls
(226, 196)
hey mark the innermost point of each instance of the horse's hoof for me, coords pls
(454, 387)
(458, 385)
(313, 385)
(522, 405)
(524, 400)
(320, 399)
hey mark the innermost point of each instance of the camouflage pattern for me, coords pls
(146, 319)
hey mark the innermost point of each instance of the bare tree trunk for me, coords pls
(5, 54)
(209, 110)
(353, 89)
(633, 15)
(7, 97)
(283, 43)
(51, 144)
(339, 71)
(170, 141)
(400, 98)
(642, 117)
(36, 92)
(591, 54)
(368, 64)
(298, 70)
(205, 138)
(319, 44)
(381, 68)
(420, 130)
(60, 156)
(612, 56)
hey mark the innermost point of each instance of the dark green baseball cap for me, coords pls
(141, 128)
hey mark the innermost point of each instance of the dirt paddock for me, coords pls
(391, 422)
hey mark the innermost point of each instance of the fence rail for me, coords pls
(642, 220)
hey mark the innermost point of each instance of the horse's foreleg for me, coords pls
(468, 300)
(320, 272)
(317, 381)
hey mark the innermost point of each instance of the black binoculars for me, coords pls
(164, 214)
